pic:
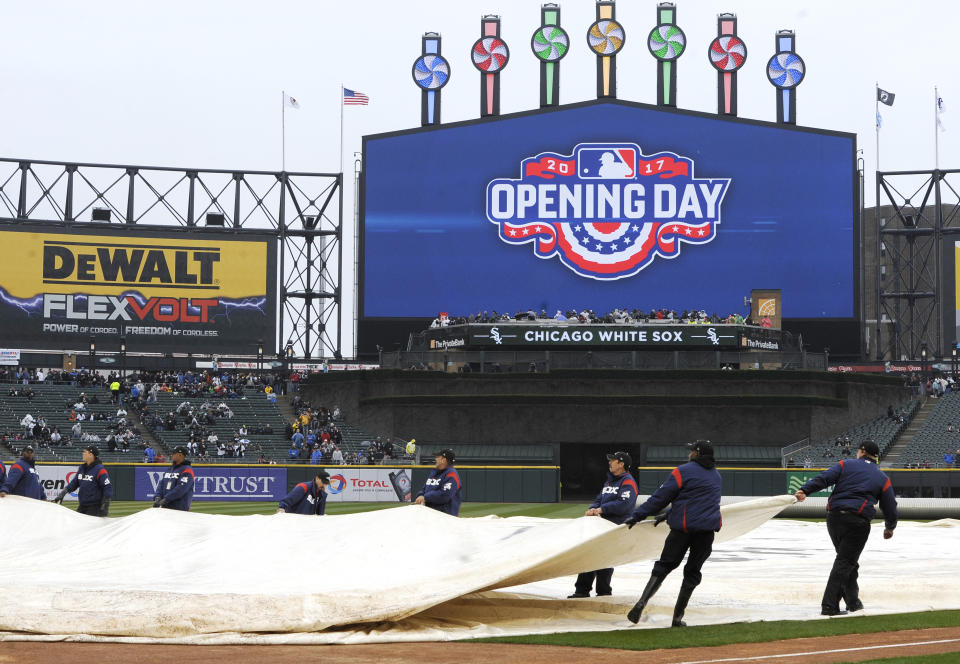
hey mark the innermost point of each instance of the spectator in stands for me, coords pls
(337, 414)
(149, 454)
(316, 456)
(948, 458)
(293, 453)
(202, 449)
(336, 456)
(22, 478)
(55, 437)
(76, 431)
(115, 391)
(890, 412)
(297, 439)
(950, 428)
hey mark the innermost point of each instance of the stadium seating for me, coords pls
(883, 430)
(726, 454)
(50, 401)
(933, 440)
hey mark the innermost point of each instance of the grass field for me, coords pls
(647, 639)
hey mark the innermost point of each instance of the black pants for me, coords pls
(849, 533)
(603, 577)
(700, 545)
(93, 509)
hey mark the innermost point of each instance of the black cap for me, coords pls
(621, 456)
(870, 447)
(324, 475)
(93, 449)
(447, 454)
(28, 447)
(702, 447)
(181, 449)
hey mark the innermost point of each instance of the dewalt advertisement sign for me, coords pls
(161, 292)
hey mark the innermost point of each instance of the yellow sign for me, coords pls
(767, 307)
(188, 267)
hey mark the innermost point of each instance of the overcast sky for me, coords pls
(198, 84)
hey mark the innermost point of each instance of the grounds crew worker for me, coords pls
(94, 484)
(307, 497)
(694, 488)
(23, 479)
(857, 486)
(441, 491)
(175, 490)
(615, 502)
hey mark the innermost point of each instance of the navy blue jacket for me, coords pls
(694, 489)
(305, 498)
(859, 484)
(23, 480)
(176, 487)
(3, 472)
(617, 498)
(94, 484)
(441, 491)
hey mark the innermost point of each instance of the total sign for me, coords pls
(368, 485)
(607, 210)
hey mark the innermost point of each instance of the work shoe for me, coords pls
(855, 606)
(578, 595)
(652, 586)
(605, 594)
(832, 612)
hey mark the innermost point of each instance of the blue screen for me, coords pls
(772, 205)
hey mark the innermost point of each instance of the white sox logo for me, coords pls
(606, 211)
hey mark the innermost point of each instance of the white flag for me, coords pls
(290, 102)
(941, 109)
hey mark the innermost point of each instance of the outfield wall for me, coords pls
(486, 484)
(260, 482)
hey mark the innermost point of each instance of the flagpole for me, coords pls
(340, 164)
(876, 119)
(936, 129)
(283, 129)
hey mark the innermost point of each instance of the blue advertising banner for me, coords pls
(607, 205)
(255, 483)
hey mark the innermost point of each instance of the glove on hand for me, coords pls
(60, 497)
(104, 507)
(660, 519)
(632, 521)
(159, 502)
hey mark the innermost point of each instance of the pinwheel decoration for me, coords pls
(490, 55)
(605, 38)
(666, 43)
(786, 70)
(550, 43)
(727, 54)
(431, 72)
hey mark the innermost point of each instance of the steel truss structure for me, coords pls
(302, 210)
(911, 289)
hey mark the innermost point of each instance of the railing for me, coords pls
(543, 361)
(791, 449)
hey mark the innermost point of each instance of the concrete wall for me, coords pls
(605, 407)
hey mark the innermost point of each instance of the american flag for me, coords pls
(353, 98)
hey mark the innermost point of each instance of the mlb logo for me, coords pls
(607, 163)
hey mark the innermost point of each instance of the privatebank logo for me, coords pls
(607, 210)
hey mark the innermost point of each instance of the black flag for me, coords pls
(885, 97)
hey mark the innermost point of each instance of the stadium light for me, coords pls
(123, 356)
(93, 352)
(289, 349)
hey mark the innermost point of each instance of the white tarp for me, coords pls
(163, 574)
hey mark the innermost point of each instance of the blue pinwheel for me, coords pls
(431, 72)
(786, 70)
